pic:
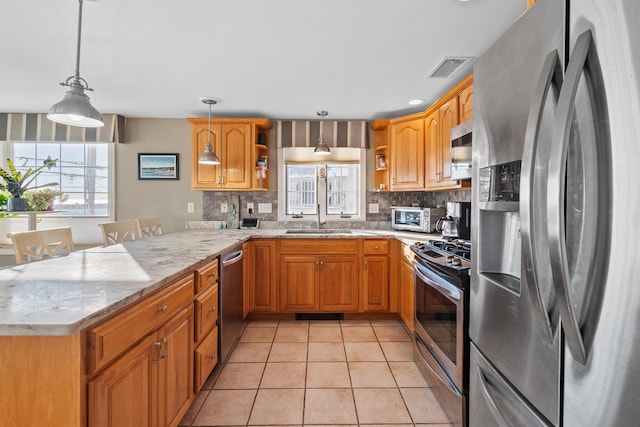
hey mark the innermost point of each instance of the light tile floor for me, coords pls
(294, 373)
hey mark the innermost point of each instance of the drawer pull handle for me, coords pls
(212, 274)
(211, 356)
(158, 344)
(212, 310)
(162, 309)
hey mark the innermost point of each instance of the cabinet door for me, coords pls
(465, 99)
(375, 285)
(339, 283)
(448, 119)
(407, 308)
(407, 155)
(434, 166)
(123, 395)
(298, 283)
(175, 370)
(237, 156)
(263, 291)
(205, 176)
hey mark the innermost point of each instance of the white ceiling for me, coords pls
(357, 59)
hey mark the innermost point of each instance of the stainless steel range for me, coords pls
(441, 278)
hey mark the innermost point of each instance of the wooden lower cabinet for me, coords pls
(375, 283)
(263, 277)
(299, 283)
(407, 293)
(151, 384)
(319, 283)
(339, 283)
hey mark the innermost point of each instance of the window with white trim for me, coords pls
(81, 171)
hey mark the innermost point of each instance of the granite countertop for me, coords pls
(64, 295)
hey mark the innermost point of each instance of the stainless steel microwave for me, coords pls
(416, 218)
(461, 138)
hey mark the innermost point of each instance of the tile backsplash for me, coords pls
(385, 200)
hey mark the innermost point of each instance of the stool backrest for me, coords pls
(119, 231)
(151, 226)
(41, 244)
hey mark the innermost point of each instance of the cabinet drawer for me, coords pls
(206, 358)
(206, 276)
(376, 246)
(319, 246)
(109, 339)
(206, 312)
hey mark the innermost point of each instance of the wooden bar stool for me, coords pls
(119, 231)
(151, 226)
(41, 244)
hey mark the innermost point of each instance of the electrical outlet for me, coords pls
(250, 207)
(264, 207)
(374, 208)
(224, 207)
(191, 208)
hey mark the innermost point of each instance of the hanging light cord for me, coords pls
(76, 80)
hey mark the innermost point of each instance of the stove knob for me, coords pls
(456, 261)
(451, 258)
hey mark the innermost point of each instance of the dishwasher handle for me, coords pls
(232, 258)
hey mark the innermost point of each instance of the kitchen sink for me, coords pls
(315, 231)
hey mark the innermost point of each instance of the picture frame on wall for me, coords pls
(158, 166)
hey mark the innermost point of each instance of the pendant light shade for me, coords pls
(208, 157)
(75, 109)
(322, 148)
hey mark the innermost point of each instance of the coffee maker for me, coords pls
(457, 223)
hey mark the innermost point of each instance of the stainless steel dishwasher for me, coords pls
(231, 321)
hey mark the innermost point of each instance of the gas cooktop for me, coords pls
(453, 253)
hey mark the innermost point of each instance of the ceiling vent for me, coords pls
(448, 66)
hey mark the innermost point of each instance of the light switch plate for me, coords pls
(191, 207)
(264, 207)
(374, 208)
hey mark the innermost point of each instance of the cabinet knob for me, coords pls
(212, 309)
(376, 247)
(365, 264)
(212, 274)
(162, 309)
(211, 356)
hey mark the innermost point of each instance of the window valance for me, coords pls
(35, 127)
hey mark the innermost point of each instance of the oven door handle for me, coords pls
(437, 282)
(443, 378)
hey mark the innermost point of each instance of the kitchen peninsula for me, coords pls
(49, 311)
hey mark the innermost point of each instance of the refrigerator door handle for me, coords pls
(591, 263)
(536, 153)
(486, 394)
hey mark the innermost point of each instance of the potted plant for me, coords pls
(16, 183)
(42, 200)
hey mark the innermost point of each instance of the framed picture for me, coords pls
(158, 166)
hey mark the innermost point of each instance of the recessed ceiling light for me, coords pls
(416, 101)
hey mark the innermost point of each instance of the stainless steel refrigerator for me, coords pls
(555, 300)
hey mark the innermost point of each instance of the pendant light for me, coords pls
(322, 149)
(75, 109)
(208, 157)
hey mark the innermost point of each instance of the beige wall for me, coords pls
(167, 199)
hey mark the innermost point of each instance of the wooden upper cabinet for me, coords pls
(235, 142)
(407, 155)
(236, 160)
(449, 118)
(465, 99)
(452, 110)
(530, 3)
(381, 154)
(205, 177)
